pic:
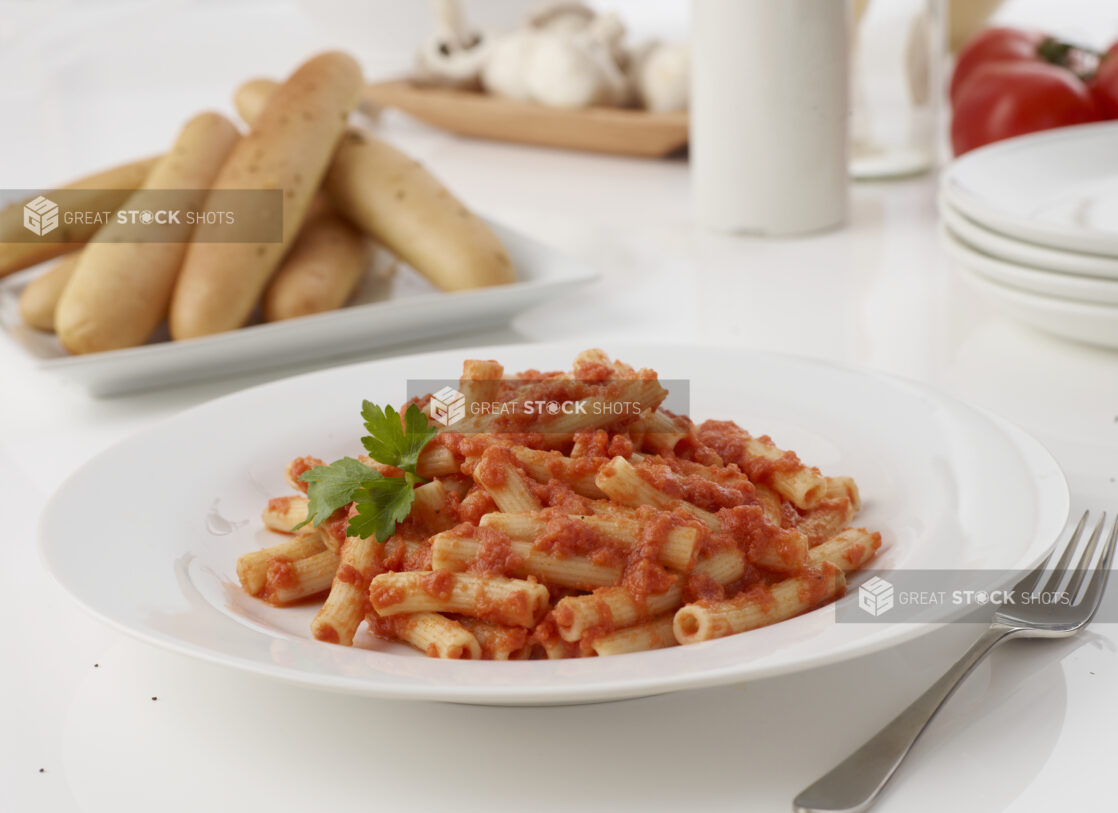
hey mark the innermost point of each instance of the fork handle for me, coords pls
(853, 784)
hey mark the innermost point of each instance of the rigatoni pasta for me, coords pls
(340, 616)
(432, 634)
(758, 606)
(654, 634)
(573, 535)
(456, 552)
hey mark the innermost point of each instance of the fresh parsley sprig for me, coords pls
(382, 502)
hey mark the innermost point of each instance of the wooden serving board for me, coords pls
(594, 129)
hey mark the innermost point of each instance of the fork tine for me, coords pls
(1085, 560)
(1092, 596)
(1028, 583)
(1065, 559)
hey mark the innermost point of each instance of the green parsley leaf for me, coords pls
(381, 506)
(418, 432)
(333, 487)
(393, 442)
(383, 425)
(382, 502)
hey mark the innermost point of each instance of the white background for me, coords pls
(87, 84)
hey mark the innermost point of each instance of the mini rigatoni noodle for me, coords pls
(759, 606)
(518, 602)
(340, 616)
(252, 568)
(455, 552)
(655, 634)
(622, 483)
(621, 525)
(621, 606)
(432, 634)
(284, 513)
(290, 581)
(572, 538)
(499, 642)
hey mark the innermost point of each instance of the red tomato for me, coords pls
(1104, 86)
(1005, 99)
(995, 45)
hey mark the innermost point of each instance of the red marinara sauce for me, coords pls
(300, 466)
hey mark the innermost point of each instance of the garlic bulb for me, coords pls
(661, 75)
(505, 70)
(565, 55)
(572, 71)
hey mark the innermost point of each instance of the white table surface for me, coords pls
(80, 730)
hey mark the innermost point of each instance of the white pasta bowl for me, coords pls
(146, 535)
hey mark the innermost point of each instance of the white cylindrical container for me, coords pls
(769, 91)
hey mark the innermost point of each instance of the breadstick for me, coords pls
(101, 192)
(321, 272)
(39, 299)
(393, 198)
(289, 148)
(119, 291)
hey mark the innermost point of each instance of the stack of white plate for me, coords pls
(1032, 223)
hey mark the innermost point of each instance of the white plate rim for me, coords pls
(1020, 252)
(1051, 285)
(1072, 307)
(1065, 318)
(545, 272)
(982, 209)
(884, 637)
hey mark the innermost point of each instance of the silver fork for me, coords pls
(854, 784)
